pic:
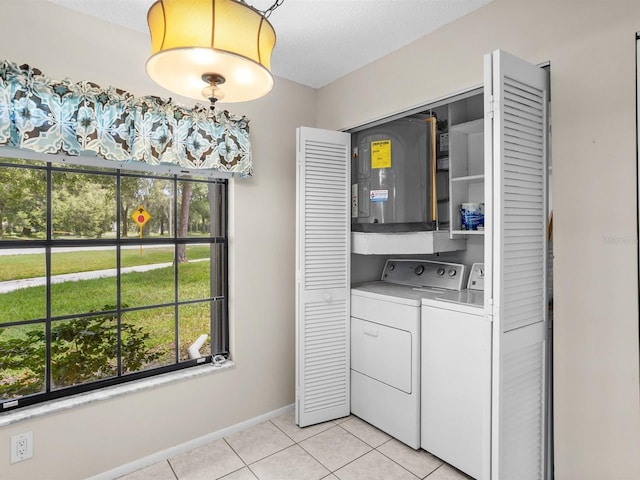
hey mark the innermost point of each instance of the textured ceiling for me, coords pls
(318, 41)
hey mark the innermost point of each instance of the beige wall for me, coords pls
(101, 436)
(591, 47)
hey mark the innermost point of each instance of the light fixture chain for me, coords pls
(265, 13)
(269, 10)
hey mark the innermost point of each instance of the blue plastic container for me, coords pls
(471, 216)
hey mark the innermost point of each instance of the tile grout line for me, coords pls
(375, 449)
(285, 433)
(394, 461)
(371, 449)
(331, 472)
(457, 470)
(429, 474)
(172, 470)
(442, 462)
(295, 443)
(312, 456)
(363, 440)
(314, 435)
(248, 465)
(383, 454)
(241, 459)
(339, 425)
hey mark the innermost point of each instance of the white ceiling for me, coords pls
(318, 41)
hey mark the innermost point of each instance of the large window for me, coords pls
(106, 277)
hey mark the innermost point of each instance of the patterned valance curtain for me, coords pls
(66, 118)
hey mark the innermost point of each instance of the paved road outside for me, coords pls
(27, 251)
(10, 286)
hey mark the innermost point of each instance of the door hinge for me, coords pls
(490, 106)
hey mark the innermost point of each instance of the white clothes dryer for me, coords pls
(385, 343)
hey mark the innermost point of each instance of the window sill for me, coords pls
(56, 406)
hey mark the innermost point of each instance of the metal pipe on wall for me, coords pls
(434, 193)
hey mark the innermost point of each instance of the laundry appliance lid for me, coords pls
(402, 294)
(464, 297)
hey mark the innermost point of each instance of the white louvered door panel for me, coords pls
(516, 97)
(323, 212)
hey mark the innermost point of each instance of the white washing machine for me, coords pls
(385, 343)
(456, 378)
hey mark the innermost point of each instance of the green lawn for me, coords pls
(17, 267)
(138, 289)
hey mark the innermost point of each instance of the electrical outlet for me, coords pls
(21, 447)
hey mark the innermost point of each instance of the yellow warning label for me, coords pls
(381, 154)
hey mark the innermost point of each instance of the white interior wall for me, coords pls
(104, 435)
(591, 47)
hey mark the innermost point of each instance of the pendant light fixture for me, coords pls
(211, 49)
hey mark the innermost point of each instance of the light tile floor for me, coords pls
(344, 449)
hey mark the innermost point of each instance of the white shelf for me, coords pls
(468, 179)
(411, 243)
(467, 232)
(466, 166)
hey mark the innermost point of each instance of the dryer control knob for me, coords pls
(452, 272)
(440, 271)
(419, 270)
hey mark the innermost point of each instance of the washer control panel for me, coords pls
(424, 273)
(476, 277)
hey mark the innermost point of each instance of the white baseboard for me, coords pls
(186, 446)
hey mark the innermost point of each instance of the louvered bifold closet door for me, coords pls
(322, 276)
(516, 244)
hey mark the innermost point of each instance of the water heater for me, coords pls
(391, 177)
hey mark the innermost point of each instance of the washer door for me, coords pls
(382, 353)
